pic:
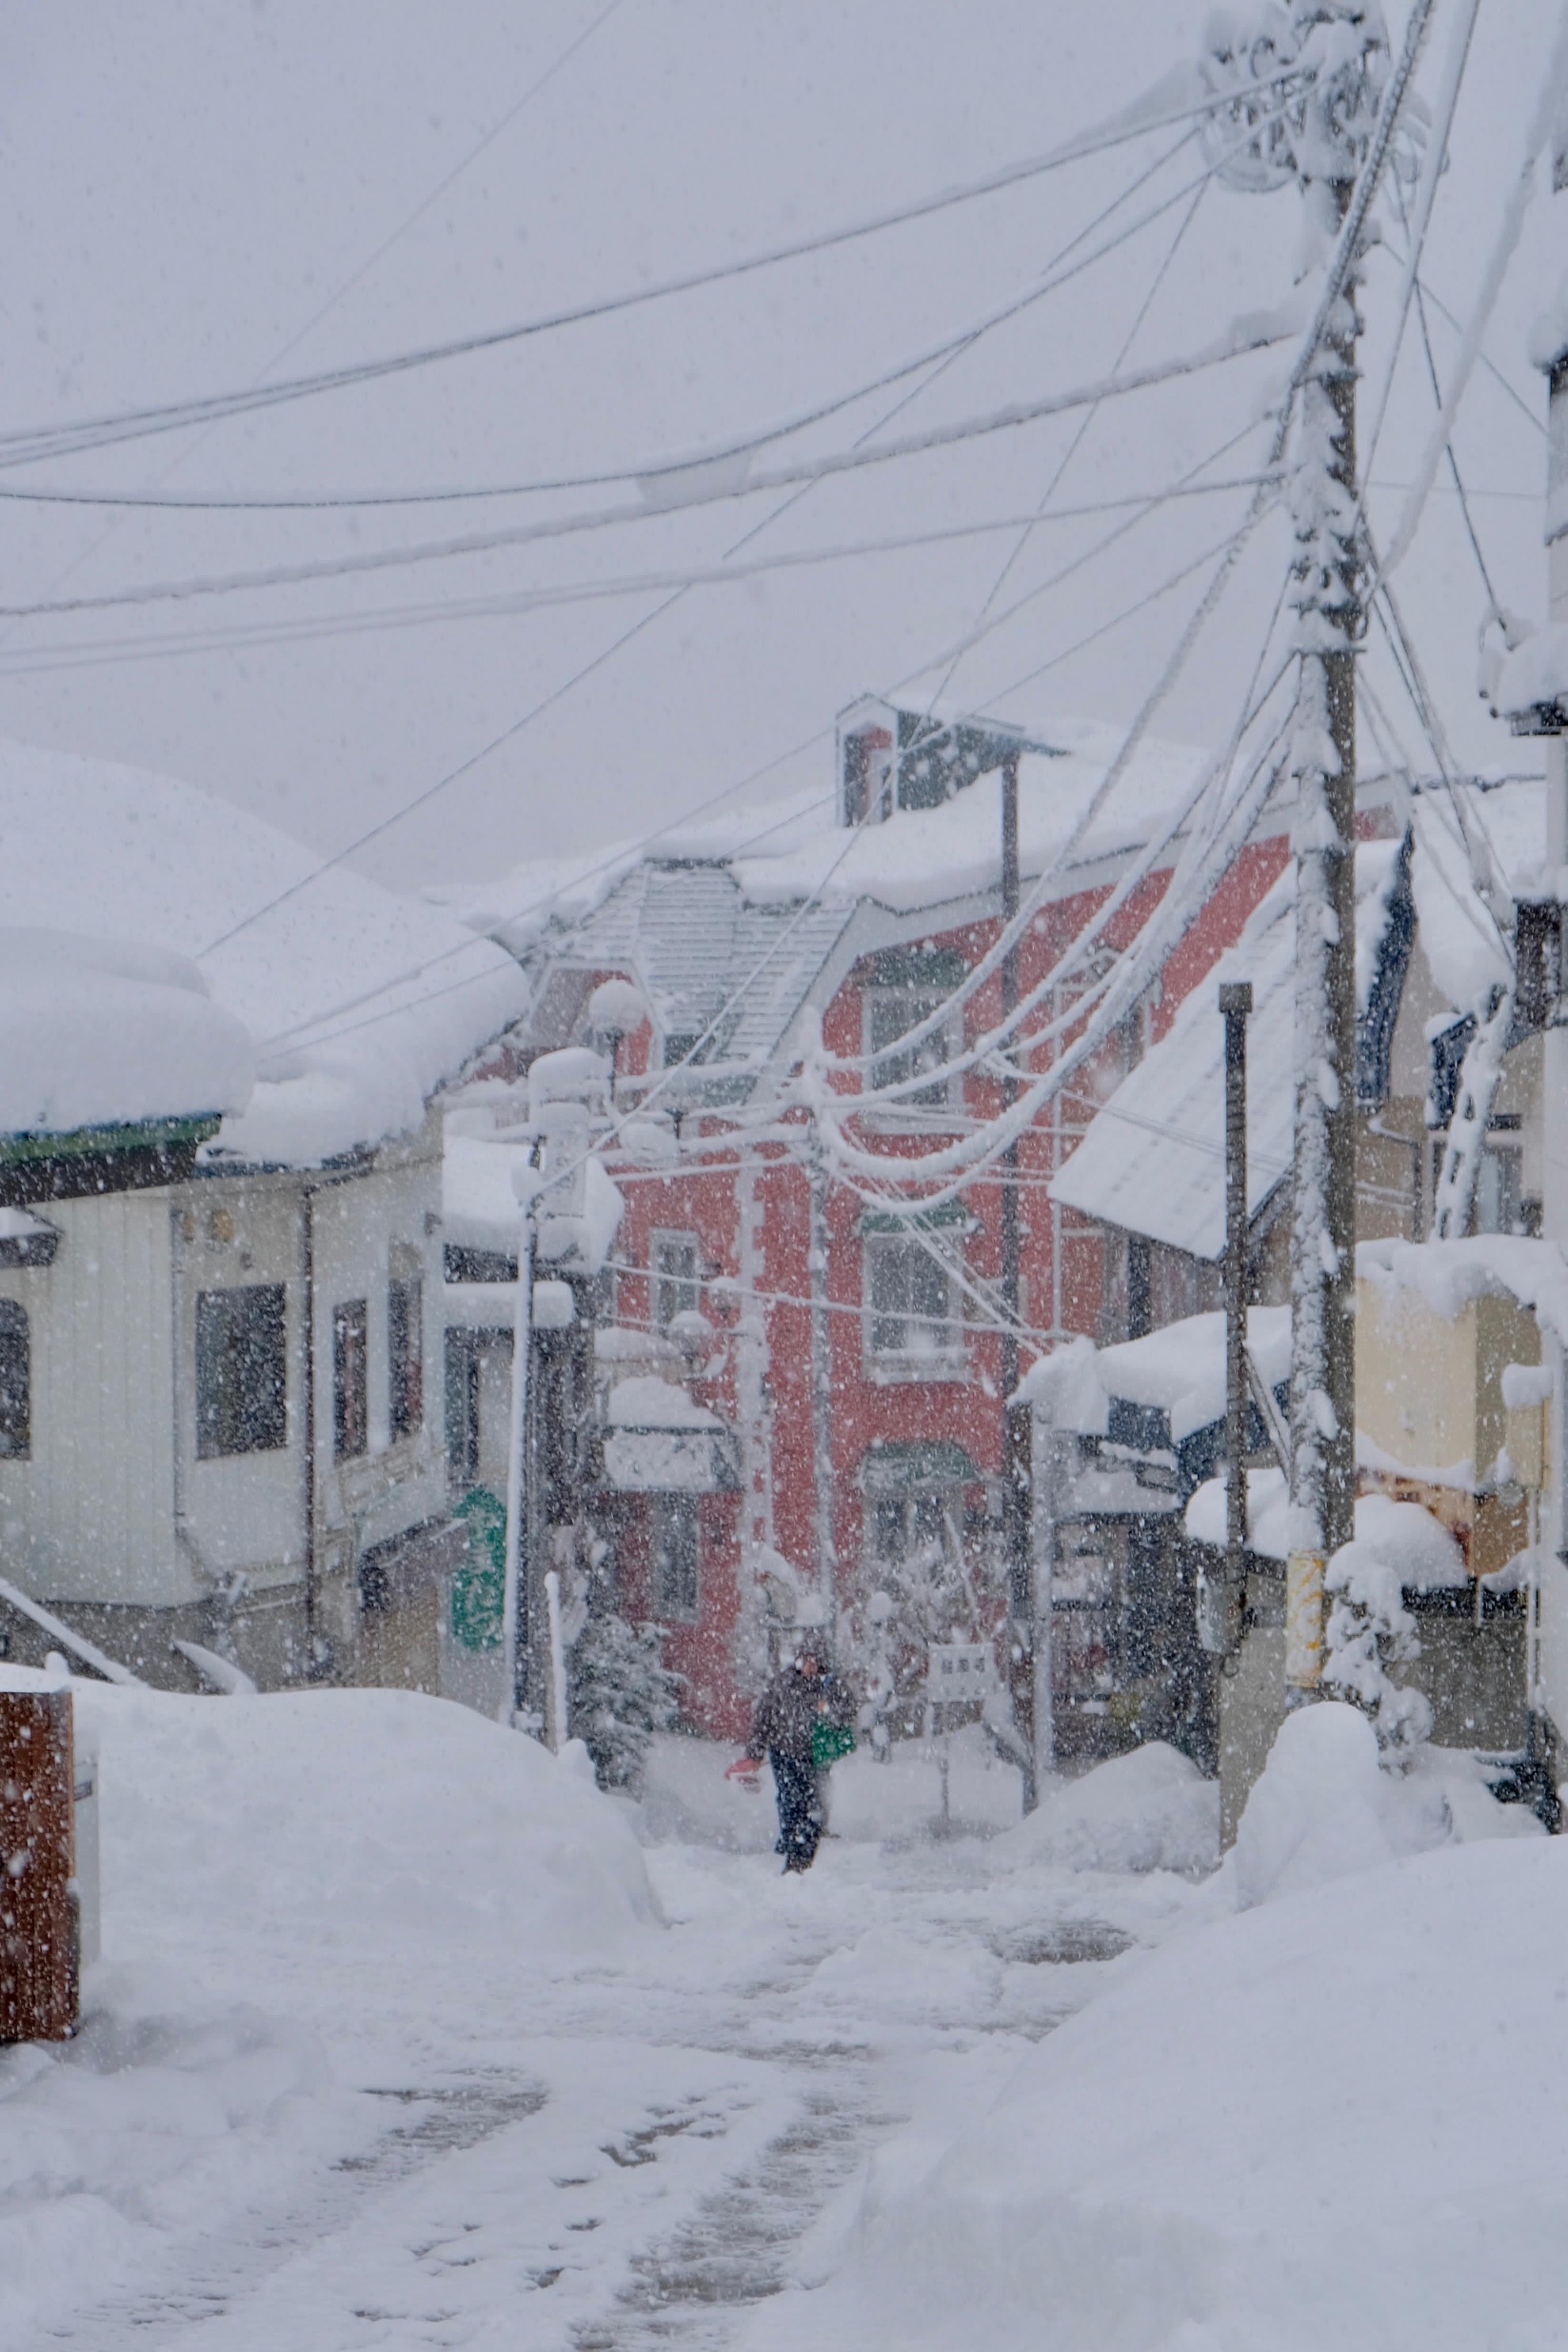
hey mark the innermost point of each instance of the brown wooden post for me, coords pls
(39, 1944)
(1017, 1419)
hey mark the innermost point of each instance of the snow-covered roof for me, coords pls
(699, 948)
(1448, 1275)
(1416, 1550)
(1153, 1160)
(1179, 1370)
(796, 848)
(1533, 677)
(360, 1004)
(480, 1207)
(104, 1033)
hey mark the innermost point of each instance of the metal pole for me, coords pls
(822, 1382)
(516, 1481)
(1016, 1419)
(1322, 1381)
(1236, 1007)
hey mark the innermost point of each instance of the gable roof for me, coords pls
(1153, 1159)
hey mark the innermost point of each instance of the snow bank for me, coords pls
(362, 1818)
(1151, 1811)
(360, 1003)
(302, 1895)
(1331, 2119)
(100, 1032)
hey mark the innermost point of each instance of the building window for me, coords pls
(911, 1318)
(916, 1528)
(405, 1353)
(1499, 1190)
(674, 1265)
(16, 1382)
(891, 1013)
(677, 1549)
(350, 1378)
(242, 1370)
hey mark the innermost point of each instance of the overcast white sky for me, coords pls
(185, 189)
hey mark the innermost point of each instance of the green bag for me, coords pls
(829, 1742)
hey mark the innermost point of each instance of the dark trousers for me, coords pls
(800, 1808)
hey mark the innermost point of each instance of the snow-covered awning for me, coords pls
(1153, 1159)
(1178, 1372)
(658, 1439)
(892, 1466)
(1530, 685)
(669, 1461)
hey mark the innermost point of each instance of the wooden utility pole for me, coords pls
(1323, 1382)
(1016, 1483)
(1236, 1007)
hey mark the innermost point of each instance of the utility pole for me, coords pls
(1235, 1007)
(1323, 1252)
(1017, 1548)
(1317, 132)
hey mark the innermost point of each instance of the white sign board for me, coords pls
(959, 1670)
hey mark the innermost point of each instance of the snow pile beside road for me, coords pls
(1325, 1807)
(1332, 2119)
(361, 1818)
(1152, 1810)
(302, 1895)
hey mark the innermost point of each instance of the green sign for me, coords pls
(479, 1588)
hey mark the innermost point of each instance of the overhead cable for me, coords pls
(22, 445)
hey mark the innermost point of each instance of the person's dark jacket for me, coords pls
(790, 1706)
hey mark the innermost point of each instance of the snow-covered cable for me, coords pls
(706, 489)
(168, 416)
(1543, 118)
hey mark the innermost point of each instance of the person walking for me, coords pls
(804, 1720)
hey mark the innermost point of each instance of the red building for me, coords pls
(832, 1426)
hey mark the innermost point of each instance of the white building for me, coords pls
(213, 1310)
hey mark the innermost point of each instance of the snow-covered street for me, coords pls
(363, 2095)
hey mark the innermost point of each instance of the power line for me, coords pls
(1253, 335)
(652, 469)
(68, 654)
(25, 445)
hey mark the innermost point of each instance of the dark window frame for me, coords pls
(670, 1285)
(351, 1379)
(675, 1558)
(16, 1381)
(903, 1281)
(242, 1370)
(405, 1355)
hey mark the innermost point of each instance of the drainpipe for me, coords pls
(313, 1648)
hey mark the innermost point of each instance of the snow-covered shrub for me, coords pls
(619, 1694)
(1369, 1631)
(1397, 1547)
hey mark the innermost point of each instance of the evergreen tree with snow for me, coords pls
(620, 1693)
